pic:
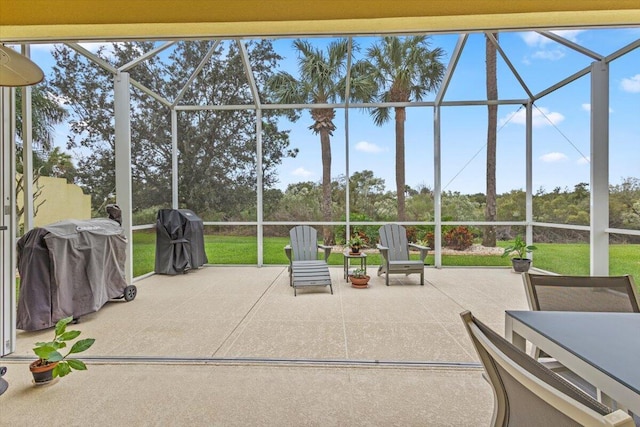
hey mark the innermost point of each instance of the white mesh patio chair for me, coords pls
(547, 292)
(526, 393)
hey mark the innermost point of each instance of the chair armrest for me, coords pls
(287, 251)
(384, 251)
(424, 250)
(327, 251)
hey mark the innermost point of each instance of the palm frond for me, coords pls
(380, 115)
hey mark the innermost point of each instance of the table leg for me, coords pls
(512, 336)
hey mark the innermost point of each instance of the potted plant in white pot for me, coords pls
(51, 363)
(518, 250)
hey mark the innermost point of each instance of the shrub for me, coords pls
(458, 238)
(412, 234)
(429, 239)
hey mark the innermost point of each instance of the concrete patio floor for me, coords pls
(232, 346)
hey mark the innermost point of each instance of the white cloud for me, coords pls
(583, 160)
(551, 55)
(571, 35)
(534, 39)
(541, 117)
(545, 50)
(301, 172)
(368, 147)
(553, 157)
(631, 84)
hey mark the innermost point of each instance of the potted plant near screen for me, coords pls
(355, 243)
(359, 278)
(518, 251)
(51, 363)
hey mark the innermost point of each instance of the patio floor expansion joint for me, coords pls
(264, 361)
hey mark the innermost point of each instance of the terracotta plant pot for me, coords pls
(359, 282)
(42, 374)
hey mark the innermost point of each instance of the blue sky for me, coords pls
(561, 120)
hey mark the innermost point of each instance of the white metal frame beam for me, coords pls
(568, 43)
(529, 175)
(246, 62)
(506, 59)
(8, 222)
(347, 98)
(142, 58)
(599, 209)
(437, 186)
(122, 107)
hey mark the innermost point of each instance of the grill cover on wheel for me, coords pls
(70, 268)
(179, 241)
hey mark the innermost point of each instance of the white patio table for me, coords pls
(603, 348)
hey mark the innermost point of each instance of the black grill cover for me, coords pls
(179, 241)
(70, 268)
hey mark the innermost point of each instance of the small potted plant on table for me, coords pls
(51, 363)
(359, 278)
(520, 262)
(355, 243)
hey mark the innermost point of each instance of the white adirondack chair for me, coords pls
(305, 269)
(394, 249)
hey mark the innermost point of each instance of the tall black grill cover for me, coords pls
(70, 268)
(179, 241)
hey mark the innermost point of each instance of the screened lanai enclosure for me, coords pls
(259, 131)
(211, 130)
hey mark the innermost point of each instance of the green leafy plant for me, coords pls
(359, 273)
(520, 248)
(48, 353)
(356, 242)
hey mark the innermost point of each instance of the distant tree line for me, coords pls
(370, 201)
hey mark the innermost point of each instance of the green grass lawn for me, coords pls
(570, 258)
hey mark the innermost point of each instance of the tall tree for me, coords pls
(216, 149)
(323, 80)
(365, 190)
(489, 235)
(404, 69)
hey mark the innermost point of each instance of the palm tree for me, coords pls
(46, 113)
(323, 81)
(489, 235)
(404, 69)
